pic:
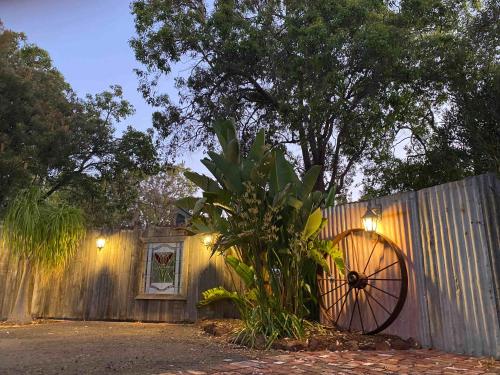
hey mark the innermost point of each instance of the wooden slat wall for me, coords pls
(103, 285)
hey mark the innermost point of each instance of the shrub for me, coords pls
(266, 222)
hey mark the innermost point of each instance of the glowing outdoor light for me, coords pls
(208, 240)
(100, 242)
(371, 219)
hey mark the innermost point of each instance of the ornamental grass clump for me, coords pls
(42, 234)
(266, 222)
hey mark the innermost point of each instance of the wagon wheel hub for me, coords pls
(357, 280)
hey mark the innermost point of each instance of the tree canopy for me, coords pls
(63, 144)
(336, 81)
(458, 135)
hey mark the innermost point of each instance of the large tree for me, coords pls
(66, 145)
(334, 80)
(459, 131)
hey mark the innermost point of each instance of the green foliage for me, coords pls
(157, 196)
(334, 78)
(260, 320)
(43, 232)
(63, 144)
(456, 127)
(266, 222)
(343, 81)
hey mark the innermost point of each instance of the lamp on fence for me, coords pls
(100, 242)
(208, 240)
(371, 218)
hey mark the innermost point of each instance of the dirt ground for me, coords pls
(69, 347)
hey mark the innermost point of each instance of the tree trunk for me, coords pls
(20, 312)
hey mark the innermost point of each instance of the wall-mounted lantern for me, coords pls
(371, 218)
(100, 242)
(208, 240)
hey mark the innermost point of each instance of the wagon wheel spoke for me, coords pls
(342, 306)
(383, 291)
(330, 291)
(330, 279)
(353, 309)
(378, 303)
(382, 269)
(371, 253)
(337, 301)
(360, 317)
(371, 309)
(370, 279)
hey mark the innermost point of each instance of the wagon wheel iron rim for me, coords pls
(361, 290)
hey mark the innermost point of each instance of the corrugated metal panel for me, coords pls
(489, 190)
(400, 223)
(462, 304)
(450, 235)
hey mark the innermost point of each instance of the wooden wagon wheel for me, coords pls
(371, 292)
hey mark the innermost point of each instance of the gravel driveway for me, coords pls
(70, 347)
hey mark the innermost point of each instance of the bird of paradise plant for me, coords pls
(267, 222)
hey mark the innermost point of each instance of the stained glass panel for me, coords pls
(163, 268)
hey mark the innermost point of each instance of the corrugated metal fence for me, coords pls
(450, 235)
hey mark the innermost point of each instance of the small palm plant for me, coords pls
(266, 222)
(43, 234)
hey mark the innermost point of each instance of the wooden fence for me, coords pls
(108, 284)
(450, 235)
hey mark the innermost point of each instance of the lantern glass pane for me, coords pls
(370, 223)
(100, 242)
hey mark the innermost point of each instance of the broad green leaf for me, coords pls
(313, 224)
(225, 131)
(218, 294)
(282, 174)
(281, 197)
(309, 180)
(294, 202)
(330, 198)
(231, 175)
(213, 169)
(219, 200)
(232, 152)
(199, 206)
(336, 254)
(202, 181)
(242, 270)
(319, 259)
(186, 203)
(258, 147)
(200, 227)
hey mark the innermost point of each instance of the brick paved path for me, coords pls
(392, 362)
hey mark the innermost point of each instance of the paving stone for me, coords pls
(373, 362)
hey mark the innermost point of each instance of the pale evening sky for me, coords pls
(88, 43)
